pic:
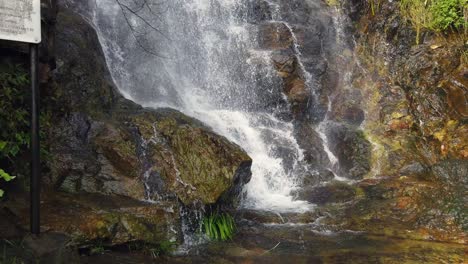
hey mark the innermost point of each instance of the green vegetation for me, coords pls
(374, 6)
(219, 226)
(448, 14)
(437, 15)
(416, 11)
(6, 177)
(14, 136)
(14, 121)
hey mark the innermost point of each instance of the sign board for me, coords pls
(20, 20)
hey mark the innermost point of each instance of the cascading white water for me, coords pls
(201, 57)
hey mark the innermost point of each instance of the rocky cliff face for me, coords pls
(310, 54)
(415, 103)
(418, 94)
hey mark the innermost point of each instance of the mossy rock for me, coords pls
(196, 164)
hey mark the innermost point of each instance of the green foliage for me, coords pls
(448, 14)
(374, 6)
(437, 15)
(15, 118)
(6, 177)
(14, 136)
(219, 226)
(417, 12)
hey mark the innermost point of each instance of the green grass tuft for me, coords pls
(220, 227)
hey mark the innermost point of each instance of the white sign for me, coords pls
(20, 20)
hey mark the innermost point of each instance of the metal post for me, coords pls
(35, 147)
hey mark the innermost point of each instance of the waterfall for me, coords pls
(202, 58)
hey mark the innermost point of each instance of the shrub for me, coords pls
(14, 123)
(417, 12)
(219, 226)
(15, 118)
(437, 15)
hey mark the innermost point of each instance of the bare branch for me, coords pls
(124, 7)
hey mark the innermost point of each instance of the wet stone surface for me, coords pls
(301, 244)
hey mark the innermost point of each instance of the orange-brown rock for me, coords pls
(275, 36)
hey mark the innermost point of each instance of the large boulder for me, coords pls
(191, 161)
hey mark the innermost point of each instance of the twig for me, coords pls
(273, 248)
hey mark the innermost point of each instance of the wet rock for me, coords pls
(346, 107)
(312, 145)
(297, 47)
(94, 157)
(457, 96)
(316, 177)
(53, 248)
(414, 169)
(408, 207)
(9, 229)
(310, 38)
(427, 112)
(415, 94)
(354, 8)
(275, 36)
(108, 220)
(335, 192)
(352, 150)
(195, 164)
(285, 62)
(259, 11)
(453, 172)
(297, 91)
(294, 84)
(298, 12)
(269, 217)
